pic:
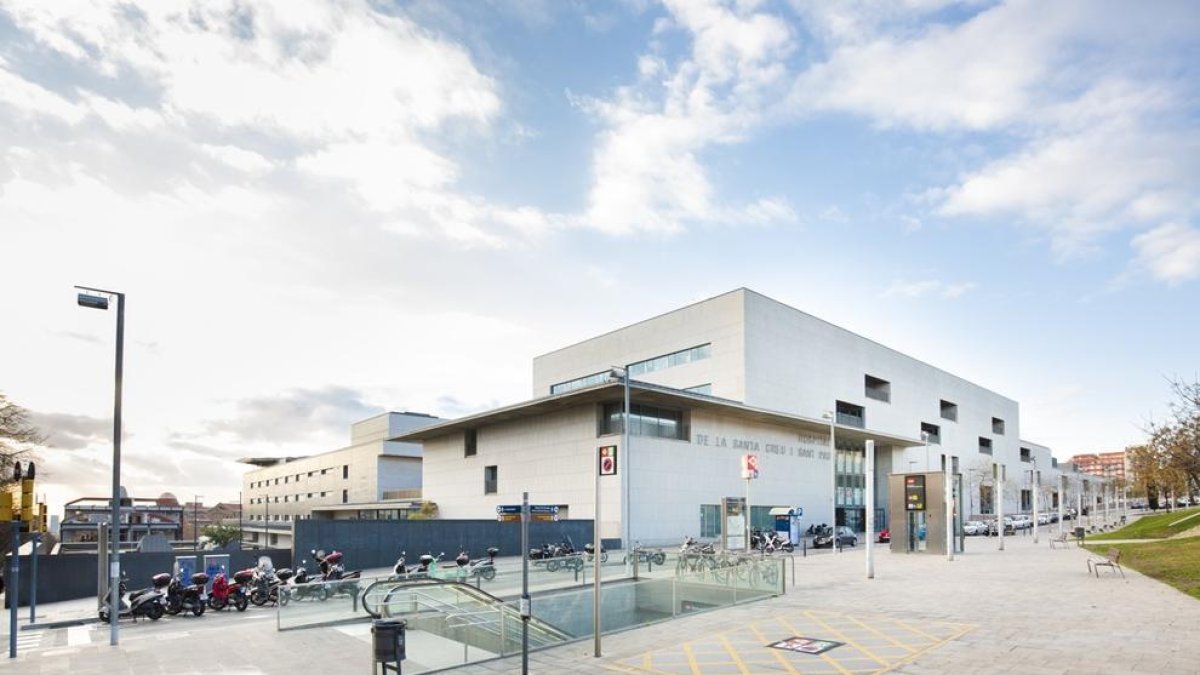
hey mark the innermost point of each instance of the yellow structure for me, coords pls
(18, 503)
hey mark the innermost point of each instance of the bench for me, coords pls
(1113, 560)
(1064, 539)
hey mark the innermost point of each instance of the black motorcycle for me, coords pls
(187, 598)
(296, 585)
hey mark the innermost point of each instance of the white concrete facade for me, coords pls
(769, 355)
(766, 374)
(372, 466)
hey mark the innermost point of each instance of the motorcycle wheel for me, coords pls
(323, 594)
(103, 616)
(659, 558)
(284, 596)
(217, 603)
(174, 606)
(155, 611)
(198, 609)
(552, 565)
(488, 573)
(258, 598)
(240, 602)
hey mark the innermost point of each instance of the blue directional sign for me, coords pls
(509, 508)
(551, 509)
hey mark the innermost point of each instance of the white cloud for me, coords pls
(1093, 110)
(917, 289)
(1171, 252)
(648, 173)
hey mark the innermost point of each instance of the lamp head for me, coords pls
(93, 301)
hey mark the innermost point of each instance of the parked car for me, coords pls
(975, 527)
(845, 537)
(1009, 526)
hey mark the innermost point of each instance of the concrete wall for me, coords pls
(717, 321)
(73, 576)
(377, 543)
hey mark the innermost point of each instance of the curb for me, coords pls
(65, 623)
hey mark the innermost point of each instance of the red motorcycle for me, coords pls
(225, 593)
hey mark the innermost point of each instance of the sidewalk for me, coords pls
(1028, 609)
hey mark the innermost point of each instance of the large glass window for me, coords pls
(851, 415)
(644, 421)
(678, 358)
(710, 520)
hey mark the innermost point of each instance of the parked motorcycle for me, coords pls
(481, 568)
(654, 556)
(264, 583)
(332, 570)
(225, 594)
(187, 598)
(590, 550)
(296, 585)
(144, 602)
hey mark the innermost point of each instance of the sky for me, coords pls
(324, 210)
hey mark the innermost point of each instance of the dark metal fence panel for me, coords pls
(377, 543)
(73, 575)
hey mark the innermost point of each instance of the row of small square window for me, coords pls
(881, 390)
(288, 478)
(289, 498)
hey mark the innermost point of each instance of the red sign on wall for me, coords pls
(608, 460)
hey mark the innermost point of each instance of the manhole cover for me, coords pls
(806, 645)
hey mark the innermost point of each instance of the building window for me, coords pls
(705, 389)
(324, 493)
(323, 471)
(644, 421)
(345, 471)
(997, 426)
(1026, 500)
(1026, 455)
(985, 445)
(949, 411)
(710, 520)
(310, 495)
(490, 478)
(580, 382)
(310, 474)
(986, 499)
(851, 415)
(345, 496)
(469, 448)
(678, 358)
(880, 390)
(932, 432)
(285, 479)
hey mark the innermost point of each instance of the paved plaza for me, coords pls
(1028, 609)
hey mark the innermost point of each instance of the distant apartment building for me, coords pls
(371, 469)
(140, 518)
(1112, 465)
(197, 517)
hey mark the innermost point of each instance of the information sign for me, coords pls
(914, 493)
(608, 460)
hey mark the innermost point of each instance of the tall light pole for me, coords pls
(832, 417)
(96, 298)
(925, 437)
(1036, 479)
(196, 523)
(627, 478)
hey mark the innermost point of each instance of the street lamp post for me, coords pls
(96, 298)
(832, 417)
(1036, 479)
(196, 523)
(925, 437)
(627, 479)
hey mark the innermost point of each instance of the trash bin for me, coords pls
(388, 638)
(1079, 533)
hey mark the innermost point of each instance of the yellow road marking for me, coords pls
(847, 640)
(691, 658)
(733, 654)
(779, 657)
(824, 657)
(885, 636)
(939, 643)
(914, 629)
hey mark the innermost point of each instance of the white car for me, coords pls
(975, 527)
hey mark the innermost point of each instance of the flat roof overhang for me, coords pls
(641, 392)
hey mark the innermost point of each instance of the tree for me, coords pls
(1169, 462)
(221, 535)
(428, 511)
(18, 437)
